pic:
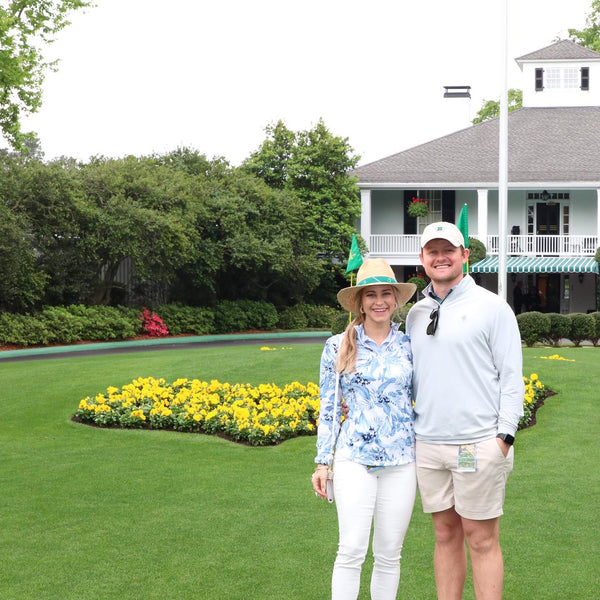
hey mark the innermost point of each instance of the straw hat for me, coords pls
(374, 271)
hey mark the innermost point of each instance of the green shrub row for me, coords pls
(535, 327)
(551, 328)
(66, 325)
(71, 324)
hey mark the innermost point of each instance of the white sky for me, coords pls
(144, 76)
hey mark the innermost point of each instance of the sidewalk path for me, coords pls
(163, 344)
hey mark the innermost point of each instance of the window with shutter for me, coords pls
(585, 78)
(539, 80)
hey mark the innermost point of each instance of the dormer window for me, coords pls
(562, 78)
(561, 75)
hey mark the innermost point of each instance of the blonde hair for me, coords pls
(346, 356)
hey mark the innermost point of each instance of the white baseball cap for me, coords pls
(444, 231)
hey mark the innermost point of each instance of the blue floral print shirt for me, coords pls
(378, 430)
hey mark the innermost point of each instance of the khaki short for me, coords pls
(476, 495)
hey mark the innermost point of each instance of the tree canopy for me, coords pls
(190, 229)
(491, 108)
(589, 36)
(316, 166)
(26, 27)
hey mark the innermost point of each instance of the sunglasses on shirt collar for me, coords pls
(434, 316)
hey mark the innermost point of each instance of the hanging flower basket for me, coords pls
(418, 207)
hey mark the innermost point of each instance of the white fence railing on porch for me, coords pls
(516, 245)
(545, 245)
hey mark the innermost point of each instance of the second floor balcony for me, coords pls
(407, 247)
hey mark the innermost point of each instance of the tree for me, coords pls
(491, 108)
(138, 210)
(25, 27)
(316, 167)
(589, 37)
(22, 283)
(249, 243)
(190, 161)
(273, 161)
(46, 199)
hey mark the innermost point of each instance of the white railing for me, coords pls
(394, 244)
(516, 245)
(546, 245)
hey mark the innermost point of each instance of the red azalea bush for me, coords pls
(153, 324)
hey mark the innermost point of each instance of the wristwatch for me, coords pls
(508, 439)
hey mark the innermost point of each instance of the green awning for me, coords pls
(538, 264)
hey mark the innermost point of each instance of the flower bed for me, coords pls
(259, 415)
(262, 415)
(535, 393)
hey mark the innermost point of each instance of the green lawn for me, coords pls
(88, 513)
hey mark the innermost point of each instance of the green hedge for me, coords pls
(67, 325)
(243, 315)
(70, 324)
(550, 328)
(307, 316)
(583, 327)
(596, 337)
(106, 322)
(560, 328)
(180, 319)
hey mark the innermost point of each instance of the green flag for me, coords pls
(354, 258)
(463, 225)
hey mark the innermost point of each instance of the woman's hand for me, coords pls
(319, 481)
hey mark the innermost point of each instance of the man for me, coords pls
(518, 297)
(468, 391)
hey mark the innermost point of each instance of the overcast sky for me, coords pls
(144, 76)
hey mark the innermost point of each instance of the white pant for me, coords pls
(384, 497)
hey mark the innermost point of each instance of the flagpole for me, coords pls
(351, 283)
(503, 163)
(354, 262)
(463, 225)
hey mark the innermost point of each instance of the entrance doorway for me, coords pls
(548, 292)
(547, 219)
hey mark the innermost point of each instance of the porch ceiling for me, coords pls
(534, 264)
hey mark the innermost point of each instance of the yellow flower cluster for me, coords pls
(259, 415)
(558, 357)
(535, 391)
(265, 414)
(269, 349)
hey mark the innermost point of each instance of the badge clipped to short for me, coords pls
(466, 461)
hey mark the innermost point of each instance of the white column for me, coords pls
(365, 216)
(598, 214)
(482, 216)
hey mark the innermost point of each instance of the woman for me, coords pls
(374, 467)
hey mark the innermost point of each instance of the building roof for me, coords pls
(561, 50)
(548, 145)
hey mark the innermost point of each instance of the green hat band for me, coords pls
(371, 280)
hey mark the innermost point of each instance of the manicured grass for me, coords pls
(88, 513)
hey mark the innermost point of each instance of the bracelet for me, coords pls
(320, 467)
